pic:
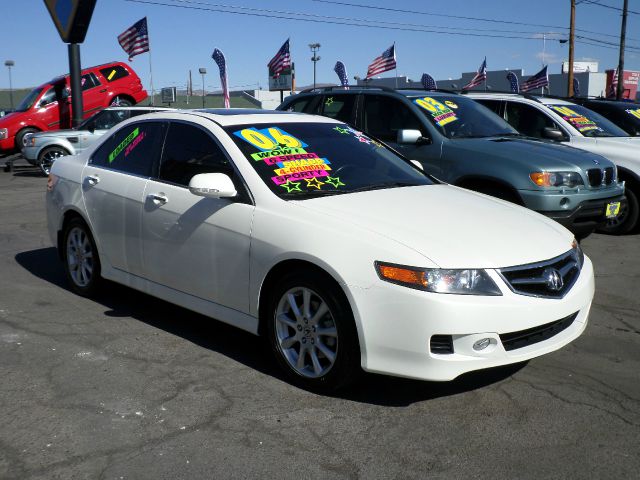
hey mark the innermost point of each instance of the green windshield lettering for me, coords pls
(123, 144)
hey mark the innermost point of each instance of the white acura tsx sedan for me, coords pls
(344, 254)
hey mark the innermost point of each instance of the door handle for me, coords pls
(92, 180)
(103, 90)
(158, 198)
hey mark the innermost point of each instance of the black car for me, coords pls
(624, 114)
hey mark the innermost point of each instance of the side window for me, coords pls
(528, 120)
(340, 107)
(494, 105)
(189, 151)
(89, 81)
(384, 116)
(48, 97)
(131, 149)
(114, 73)
(298, 105)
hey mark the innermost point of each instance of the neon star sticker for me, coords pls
(329, 101)
(335, 181)
(313, 182)
(342, 130)
(291, 186)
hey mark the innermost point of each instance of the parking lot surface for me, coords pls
(129, 386)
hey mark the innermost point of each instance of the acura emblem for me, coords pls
(553, 279)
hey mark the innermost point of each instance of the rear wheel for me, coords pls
(81, 261)
(312, 332)
(49, 155)
(627, 219)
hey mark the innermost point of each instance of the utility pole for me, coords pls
(203, 72)
(572, 38)
(623, 34)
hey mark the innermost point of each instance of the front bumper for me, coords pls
(396, 325)
(31, 153)
(7, 145)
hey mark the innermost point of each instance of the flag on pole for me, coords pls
(281, 61)
(514, 85)
(383, 63)
(341, 71)
(539, 80)
(576, 87)
(428, 83)
(135, 39)
(614, 84)
(480, 77)
(218, 57)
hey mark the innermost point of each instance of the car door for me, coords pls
(384, 116)
(113, 187)
(193, 244)
(93, 94)
(528, 120)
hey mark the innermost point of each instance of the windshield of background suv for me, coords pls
(460, 117)
(588, 122)
(28, 101)
(305, 160)
(106, 119)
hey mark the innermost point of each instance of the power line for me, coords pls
(610, 7)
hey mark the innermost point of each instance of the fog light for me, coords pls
(564, 202)
(481, 344)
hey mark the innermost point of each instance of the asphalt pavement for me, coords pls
(127, 386)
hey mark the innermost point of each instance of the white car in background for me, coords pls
(576, 125)
(43, 148)
(300, 228)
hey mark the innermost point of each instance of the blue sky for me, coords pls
(184, 38)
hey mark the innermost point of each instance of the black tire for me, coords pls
(312, 333)
(20, 136)
(47, 156)
(627, 219)
(121, 102)
(78, 241)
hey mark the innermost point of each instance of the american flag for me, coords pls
(614, 84)
(218, 57)
(514, 85)
(428, 83)
(576, 87)
(539, 80)
(135, 39)
(341, 71)
(281, 61)
(383, 63)
(480, 77)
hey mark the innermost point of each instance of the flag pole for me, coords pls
(151, 79)
(396, 59)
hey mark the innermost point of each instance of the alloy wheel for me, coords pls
(80, 257)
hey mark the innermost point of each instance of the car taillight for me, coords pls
(51, 182)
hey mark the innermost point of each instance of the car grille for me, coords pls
(524, 338)
(441, 344)
(600, 176)
(551, 279)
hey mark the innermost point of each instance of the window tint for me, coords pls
(131, 149)
(384, 116)
(493, 105)
(298, 105)
(89, 81)
(189, 151)
(54, 94)
(528, 120)
(106, 119)
(339, 107)
(114, 73)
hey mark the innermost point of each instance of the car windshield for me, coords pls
(28, 101)
(588, 122)
(106, 119)
(306, 160)
(460, 117)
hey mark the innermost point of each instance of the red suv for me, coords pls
(48, 107)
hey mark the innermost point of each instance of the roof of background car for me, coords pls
(243, 116)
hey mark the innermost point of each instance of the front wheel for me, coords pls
(627, 219)
(81, 261)
(312, 332)
(49, 155)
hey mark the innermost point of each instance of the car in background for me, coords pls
(624, 114)
(5, 111)
(566, 123)
(48, 107)
(300, 228)
(43, 148)
(463, 143)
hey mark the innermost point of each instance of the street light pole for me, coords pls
(572, 37)
(314, 48)
(9, 64)
(623, 34)
(203, 72)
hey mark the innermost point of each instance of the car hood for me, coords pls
(532, 153)
(452, 227)
(62, 133)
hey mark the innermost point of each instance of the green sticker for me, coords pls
(123, 144)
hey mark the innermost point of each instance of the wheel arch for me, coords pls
(630, 177)
(476, 182)
(123, 96)
(67, 216)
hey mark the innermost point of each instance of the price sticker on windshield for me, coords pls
(441, 114)
(579, 122)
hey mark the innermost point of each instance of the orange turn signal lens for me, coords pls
(401, 275)
(541, 179)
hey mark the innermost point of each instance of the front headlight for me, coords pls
(4, 133)
(556, 179)
(439, 280)
(29, 140)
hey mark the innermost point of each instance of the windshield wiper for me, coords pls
(380, 186)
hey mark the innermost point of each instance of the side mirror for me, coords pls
(212, 185)
(91, 127)
(552, 134)
(412, 137)
(417, 164)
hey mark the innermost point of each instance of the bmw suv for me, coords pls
(463, 143)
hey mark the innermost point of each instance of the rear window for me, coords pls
(114, 73)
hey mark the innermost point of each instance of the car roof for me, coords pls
(360, 89)
(525, 96)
